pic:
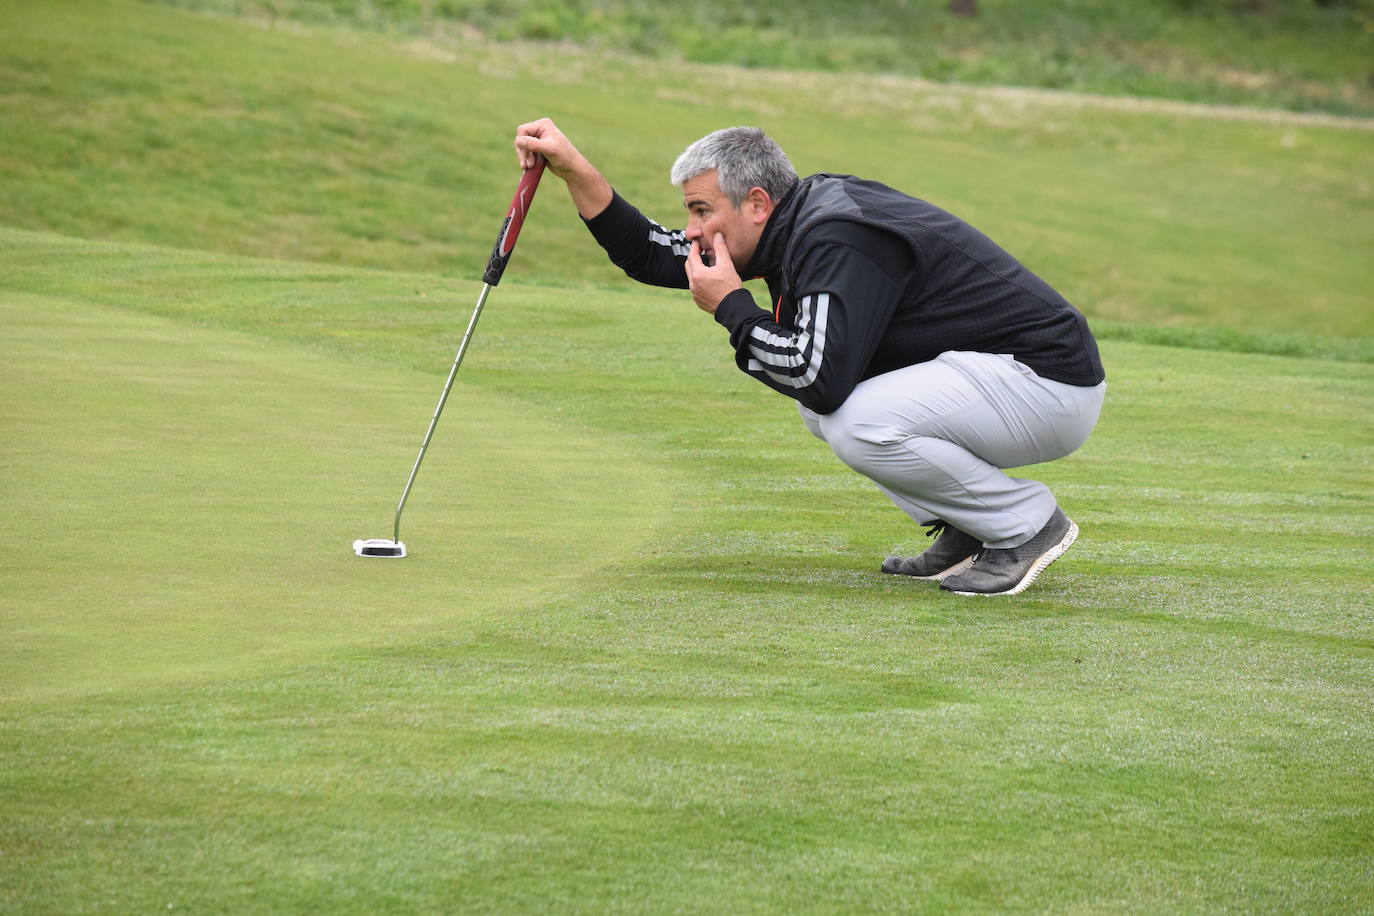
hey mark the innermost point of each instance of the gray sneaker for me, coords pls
(1011, 571)
(952, 552)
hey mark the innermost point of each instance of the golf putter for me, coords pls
(496, 266)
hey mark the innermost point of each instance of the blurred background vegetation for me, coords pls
(1303, 55)
(131, 121)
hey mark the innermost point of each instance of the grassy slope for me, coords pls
(738, 710)
(1295, 54)
(343, 149)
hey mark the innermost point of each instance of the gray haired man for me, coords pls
(923, 354)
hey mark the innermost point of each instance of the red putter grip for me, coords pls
(510, 229)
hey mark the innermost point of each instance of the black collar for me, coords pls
(767, 258)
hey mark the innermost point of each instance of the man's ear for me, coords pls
(758, 204)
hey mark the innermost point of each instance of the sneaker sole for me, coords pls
(1043, 561)
(957, 568)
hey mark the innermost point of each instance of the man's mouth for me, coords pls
(708, 257)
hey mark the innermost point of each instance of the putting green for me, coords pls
(181, 501)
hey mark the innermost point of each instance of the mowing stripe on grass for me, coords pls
(187, 499)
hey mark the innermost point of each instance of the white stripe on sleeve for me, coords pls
(801, 355)
(676, 240)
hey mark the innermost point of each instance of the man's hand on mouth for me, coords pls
(711, 278)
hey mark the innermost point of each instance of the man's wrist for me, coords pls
(590, 191)
(736, 308)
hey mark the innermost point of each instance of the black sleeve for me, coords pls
(845, 300)
(641, 247)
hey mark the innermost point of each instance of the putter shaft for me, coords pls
(443, 397)
(496, 266)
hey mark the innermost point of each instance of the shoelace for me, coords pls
(937, 527)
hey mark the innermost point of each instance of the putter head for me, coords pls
(379, 547)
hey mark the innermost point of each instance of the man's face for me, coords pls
(709, 211)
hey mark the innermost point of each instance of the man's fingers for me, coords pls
(528, 149)
(697, 259)
(543, 138)
(528, 152)
(532, 139)
(539, 128)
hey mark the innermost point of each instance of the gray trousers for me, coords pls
(935, 436)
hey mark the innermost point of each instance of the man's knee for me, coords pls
(883, 453)
(851, 435)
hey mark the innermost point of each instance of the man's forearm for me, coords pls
(637, 245)
(590, 191)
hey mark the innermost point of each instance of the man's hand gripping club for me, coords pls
(590, 192)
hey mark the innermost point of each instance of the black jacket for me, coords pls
(866, 280)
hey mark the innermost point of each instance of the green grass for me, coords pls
(625, 669)
(640, 659)
(1296, 54)
(208, 133)
(204, 476)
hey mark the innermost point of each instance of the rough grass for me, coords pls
(331, 147)
(1298, 54)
